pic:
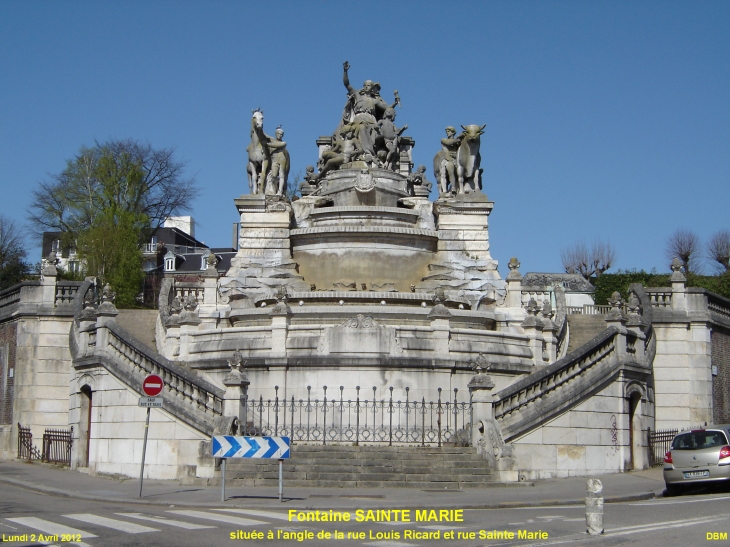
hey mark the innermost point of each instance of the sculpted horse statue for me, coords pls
(259, 155)
(468, 158)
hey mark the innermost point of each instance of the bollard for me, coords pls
(594, 507)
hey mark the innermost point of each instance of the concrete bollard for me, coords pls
(594, 507)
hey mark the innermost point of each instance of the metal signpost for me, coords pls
(228, 446)
(152, 387)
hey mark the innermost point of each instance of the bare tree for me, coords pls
(718, 249)
(685, 246)
(588, 262)
(13, 266)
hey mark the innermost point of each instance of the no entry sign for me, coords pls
(152, 385)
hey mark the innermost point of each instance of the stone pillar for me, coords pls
(462, 225)
(440, 318)
(48, 285)
(208, 312)
(106, 315)
(514, 284)
(549, 330)
(679, 286)
(616, 318)
(280, 319)
(87, 324)
(480, 388)
(486, 434)
(533, 326)
(264, 235)
(189, 323)
(236, 396)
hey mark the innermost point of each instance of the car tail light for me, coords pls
(668, 457)
(725, 452)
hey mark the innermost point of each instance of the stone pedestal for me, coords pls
(264, 230)
(462, 225)
(486, 433)
(236, 396)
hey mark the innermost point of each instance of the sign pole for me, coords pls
(144, 450)
(281, 480)
(223, 481)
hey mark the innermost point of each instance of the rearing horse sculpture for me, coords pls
(259, 155)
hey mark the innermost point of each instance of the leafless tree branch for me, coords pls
(685, 246)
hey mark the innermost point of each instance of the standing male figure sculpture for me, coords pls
(277, 178)
(444, 163)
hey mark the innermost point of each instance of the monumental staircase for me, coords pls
(368, 467)
(96, 339)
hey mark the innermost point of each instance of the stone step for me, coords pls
(343, 474)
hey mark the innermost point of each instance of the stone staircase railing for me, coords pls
(555, 389)
(96, 339)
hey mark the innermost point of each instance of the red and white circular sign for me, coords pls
(152, 385)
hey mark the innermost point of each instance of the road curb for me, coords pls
(258, 505)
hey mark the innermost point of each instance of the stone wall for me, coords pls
(682, 372)
(590, 439)
(721, 380)
(117, 431)
(8, 336)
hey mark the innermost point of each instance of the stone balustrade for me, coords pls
(66, 292)
(180, 384)
(660, 297)
(553, 377)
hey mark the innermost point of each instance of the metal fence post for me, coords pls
(357, 417)
(324, 420)
(390, 411)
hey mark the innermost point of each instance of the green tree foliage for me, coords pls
(109, 246)
(13, 265)
(620, 281)
(107, 201)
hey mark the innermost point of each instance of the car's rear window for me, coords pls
(697, 440)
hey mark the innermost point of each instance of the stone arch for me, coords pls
(86, 385)
(635, 393)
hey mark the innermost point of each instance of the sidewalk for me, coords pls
(569, 491)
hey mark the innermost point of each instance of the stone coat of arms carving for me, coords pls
(364, 182)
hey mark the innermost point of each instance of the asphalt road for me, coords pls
(680, 521)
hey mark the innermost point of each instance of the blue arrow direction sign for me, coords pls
(228, 446)
(235, 447)
(251, 453)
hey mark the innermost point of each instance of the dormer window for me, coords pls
(170, 262)
(204, 260)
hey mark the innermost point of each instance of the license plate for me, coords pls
(696, 474)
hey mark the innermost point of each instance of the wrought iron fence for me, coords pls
(376, 420)
(26, 450)
(659, 442)
(57, 445)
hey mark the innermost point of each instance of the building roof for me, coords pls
(569, 282)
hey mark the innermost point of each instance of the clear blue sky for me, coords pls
(604, 119)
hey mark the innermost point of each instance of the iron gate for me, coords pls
(659, 441)
(383, 421)
(57, 445)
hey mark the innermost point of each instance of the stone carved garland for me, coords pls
(360, 321)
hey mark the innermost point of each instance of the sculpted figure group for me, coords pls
(268, 159)
(367, 132)
(457, 165)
